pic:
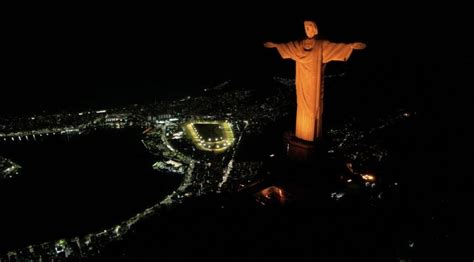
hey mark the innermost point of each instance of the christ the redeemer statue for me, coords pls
(311, 55)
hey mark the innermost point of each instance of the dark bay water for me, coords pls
(77, 185)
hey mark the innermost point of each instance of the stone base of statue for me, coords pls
(298, 149)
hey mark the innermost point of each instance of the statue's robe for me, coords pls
(309, 81)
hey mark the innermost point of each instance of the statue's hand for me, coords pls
(269, 45)
(358, 45)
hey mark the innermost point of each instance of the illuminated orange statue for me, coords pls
(311, 55)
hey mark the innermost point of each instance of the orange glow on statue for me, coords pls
(310, 56)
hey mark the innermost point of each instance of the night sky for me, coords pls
(95, 56)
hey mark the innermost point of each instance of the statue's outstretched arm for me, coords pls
(358, 45)
(269, 45)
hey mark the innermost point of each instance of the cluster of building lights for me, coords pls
(368, 177)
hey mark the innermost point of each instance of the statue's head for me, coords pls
(310, 28)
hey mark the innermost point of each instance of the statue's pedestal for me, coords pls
(298, 149)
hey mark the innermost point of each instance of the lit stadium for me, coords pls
(215, 136)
